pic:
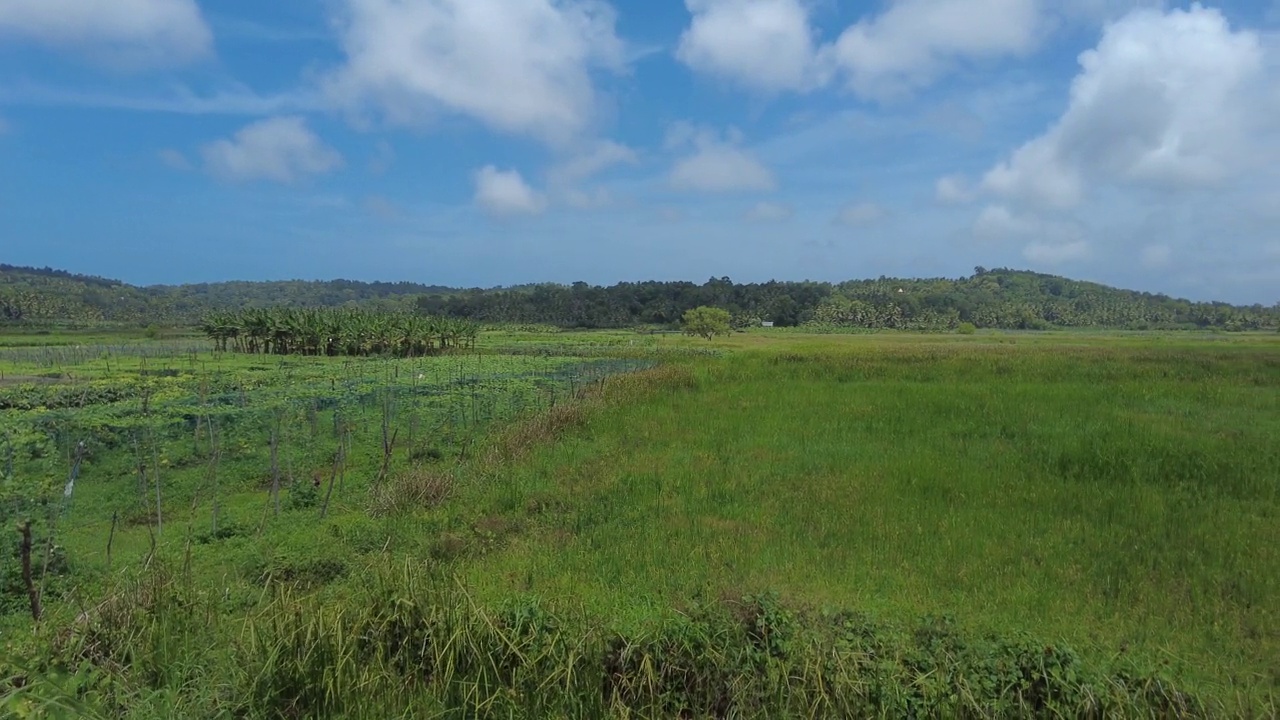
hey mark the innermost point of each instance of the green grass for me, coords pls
(1122, 499)
(1116, 494)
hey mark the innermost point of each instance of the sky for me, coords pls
(498, 142)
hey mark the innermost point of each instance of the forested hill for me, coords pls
(989, 298)
(44, 294)
(1000, 298)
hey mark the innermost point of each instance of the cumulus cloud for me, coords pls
(717, 165)
(761, 44)
(1046, 241)
(913, 42)
(772, 45)
(518, 66)
(770, 212)
(137, 33)
(281, 149)
(505, 193)
(859, 214)
(1167, 101)
(997, 223)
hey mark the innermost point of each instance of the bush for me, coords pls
(966, 328)
(302, 495)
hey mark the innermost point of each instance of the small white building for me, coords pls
(767, 323)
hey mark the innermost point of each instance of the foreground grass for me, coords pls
(874, 526)
(1124, 500)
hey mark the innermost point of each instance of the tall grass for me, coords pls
(808, 528)
(408, 641)
(1122, 500)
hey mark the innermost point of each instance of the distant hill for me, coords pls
(45, 294)
(1000, 298)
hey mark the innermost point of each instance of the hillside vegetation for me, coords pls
(1007, 299)
(35, 295)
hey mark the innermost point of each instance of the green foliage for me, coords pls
(1000, 298)
(303, 494)
(1080, 528)
(406, 642)
(1113, 493)
(966, 328)
(328, 332)
(706, 322)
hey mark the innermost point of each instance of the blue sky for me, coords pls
(491, 142)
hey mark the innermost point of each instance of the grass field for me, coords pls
(933, 514)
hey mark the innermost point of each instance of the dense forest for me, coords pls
(999, 298)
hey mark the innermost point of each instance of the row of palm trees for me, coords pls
(335, 332)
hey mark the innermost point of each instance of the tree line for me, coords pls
(999, 298)
(1002, 298)
(335, 332)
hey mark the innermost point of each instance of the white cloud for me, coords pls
(770, 212)
(1047, 241)
(717, 165)
(282, 149)
(762, 44)
(772, 45)
(597, 158)
(914, 42)
(135, 33)
(954, 190)
(1050, 254)
(1166, 101)
(1156, 256)
(174, 159)
(505, 193)
(1036, 173)
(859, 214)
(518, 66)
(997, 223)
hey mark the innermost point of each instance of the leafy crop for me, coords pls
(333, 332)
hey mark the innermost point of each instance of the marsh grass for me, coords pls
(409, 641)
(1123, 499)
(881, 526)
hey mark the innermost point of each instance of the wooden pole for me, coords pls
(32, 595)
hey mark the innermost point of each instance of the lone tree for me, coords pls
(707, 322)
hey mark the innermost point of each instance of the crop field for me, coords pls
(615, 524)
(100, 445)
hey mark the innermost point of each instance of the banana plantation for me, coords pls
(336, 332)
